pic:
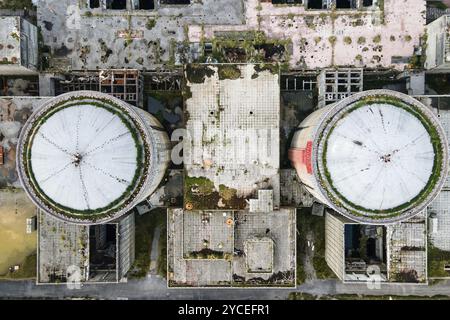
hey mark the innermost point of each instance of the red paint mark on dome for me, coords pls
(302, 156)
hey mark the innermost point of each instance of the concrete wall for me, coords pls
(160, 156)
(335, 243)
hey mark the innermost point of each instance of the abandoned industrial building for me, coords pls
(225, 144)
(232, 231)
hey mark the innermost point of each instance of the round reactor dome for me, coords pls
(376, 157)
(87, 157)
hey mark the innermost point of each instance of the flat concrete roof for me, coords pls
(263, 250)
(328, 38)
(85, 38)
(232, 147)
(320, 38)
(210, 230)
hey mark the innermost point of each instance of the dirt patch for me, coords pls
(15, 244)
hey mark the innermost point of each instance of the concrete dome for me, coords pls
(376, 157)
(87, 157)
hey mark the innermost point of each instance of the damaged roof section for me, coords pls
(231, 146)
(91, 35)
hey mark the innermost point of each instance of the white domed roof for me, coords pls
(379, 156)
(83, 157)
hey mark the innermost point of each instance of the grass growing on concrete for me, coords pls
(231, 72)
(16, 4)
(301, 275)
(151, 23)
(162, 259)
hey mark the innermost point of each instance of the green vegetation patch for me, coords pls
(230, 71)
(208, 254)
(16, 4)
(439, 83)
(272, 67)
(307, 296)
(151, 23)
(198, 73)
(162, 258)
(247, 46)
(377, 39)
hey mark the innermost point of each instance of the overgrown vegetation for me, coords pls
(200, 193)
(249, 46)
(307, 296)
(231, 72)
(439, 83)
(437, 260)
(209, 254)
(418, 61)
(151, 23)
(407, 276)
(16, 4)
(315, 226)
(377, 39)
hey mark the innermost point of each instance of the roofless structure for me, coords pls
(86, 157)
(376, 157)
